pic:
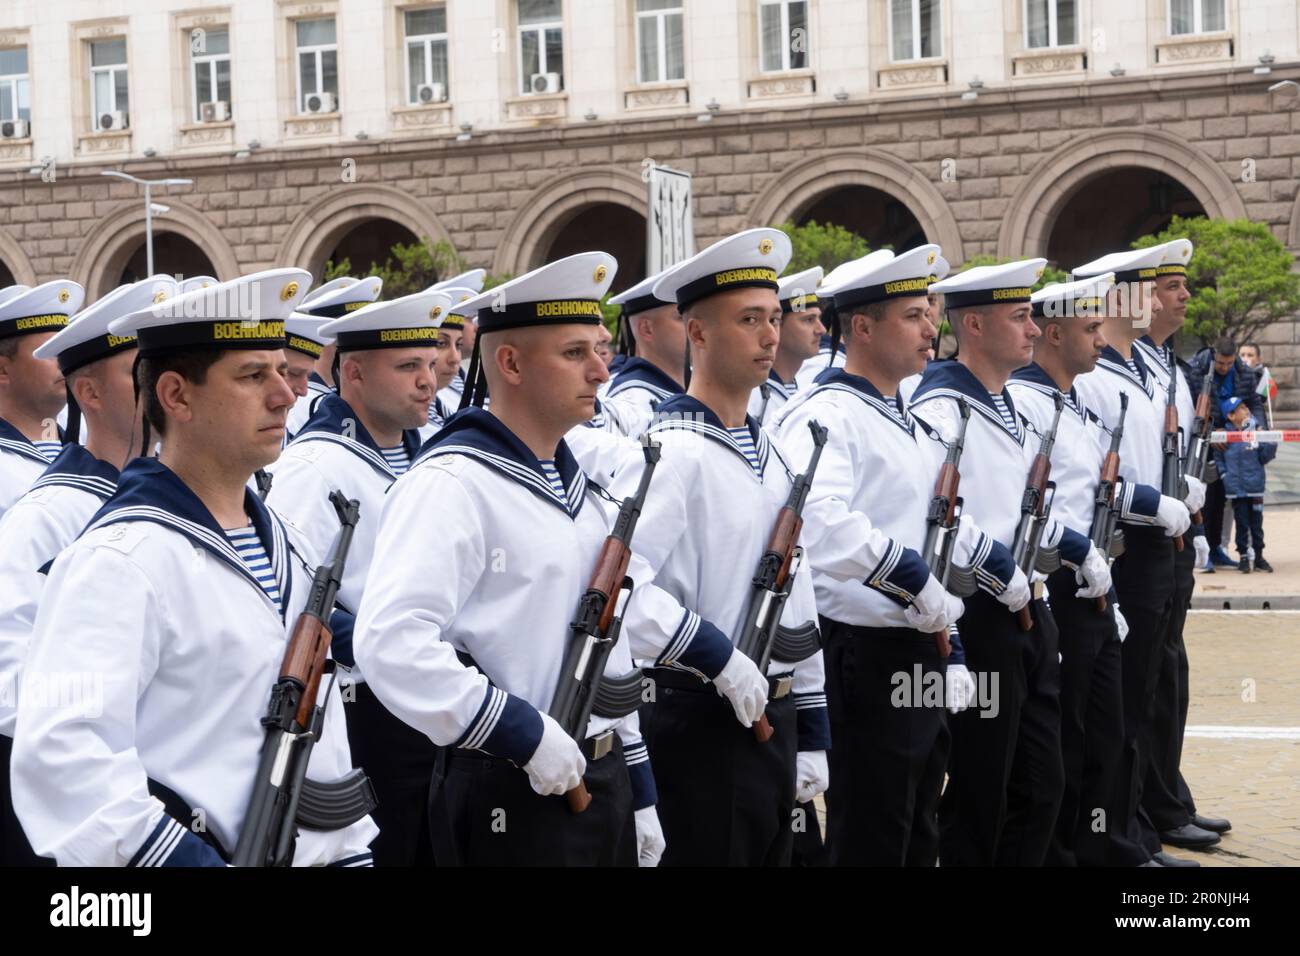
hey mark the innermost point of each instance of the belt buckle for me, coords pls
(602, 744)
(781, 686)
(1037, 590)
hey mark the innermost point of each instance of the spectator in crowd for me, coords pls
(1242, 466)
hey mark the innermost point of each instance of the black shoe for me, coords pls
(1262, 565)
(1214, 824)
(1243, 566)
(1151, 862)
(1190, 837)
(1164, 859)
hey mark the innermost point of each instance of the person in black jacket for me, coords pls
(1232, 378)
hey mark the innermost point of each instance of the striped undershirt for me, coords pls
(553, 476)
(892, 402)
(50, 449)
(1132, 367)
(251, 552)
(746, 442)
(399, 460)
(1008, 417)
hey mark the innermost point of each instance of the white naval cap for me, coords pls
(940, 269)
(837, 276)
(641, 297)
(46, 308)
(87, 339)
(457, 314)
(302, 333)
(568, 290)
(1177, 253)
(244, 313)
(991, 285)
(1082, 297)
(341, 296)
(749, 259)
(472, 280)
(867, 281)
(12, 292)
(1131, 265)
(196, 282)
(798, 292)
(409, 322)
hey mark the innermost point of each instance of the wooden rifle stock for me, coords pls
(946, 488)
(304, 662)
(1171, 427)
(1109, 473)
(784, 535)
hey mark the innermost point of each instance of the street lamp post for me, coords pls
(148, 207)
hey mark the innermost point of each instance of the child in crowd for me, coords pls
(1242, 466)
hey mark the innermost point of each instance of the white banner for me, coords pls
(670, 234)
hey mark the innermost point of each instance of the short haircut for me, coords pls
(192, 366)
(955, 314)
(9, 347)
(1255, 346)
(1226, 346)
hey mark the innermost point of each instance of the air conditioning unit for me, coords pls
(320, 103)
(217, 111)
(114, 120)
(544, 83)
(13, 129)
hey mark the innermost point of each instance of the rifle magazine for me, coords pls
(794, 644)
(961, 580)
(619, 696)
(335, 805)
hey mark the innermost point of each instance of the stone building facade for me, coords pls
(990, 146)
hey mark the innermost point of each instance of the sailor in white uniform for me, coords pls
(880, 606)
(1092, 723)
(801, 334)
(829, 354)
(907, 387)
(331, 300)
(726, 797)
(97, 370)
(1005, 776)
(485, 548)
(473, 280)
(450, 381)
(360, 441)
(656, 369)
(179, 598)
(31, 389)
(304, 346)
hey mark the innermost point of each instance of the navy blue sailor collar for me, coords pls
(150, 491)
(12, 440)
(891, 409)
(74, 467)
(335, 421)
(314, 378)
(640, 373)
(1112, 361)
(949, 378)
(478, 434)
(1035, 377)
(774, 381)
(687, 413)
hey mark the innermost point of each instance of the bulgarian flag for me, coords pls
(1267, 386)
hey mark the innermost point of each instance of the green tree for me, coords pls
(1240, 276)
(413, 267)
(826, 245)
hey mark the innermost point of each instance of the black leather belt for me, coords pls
(777, 687)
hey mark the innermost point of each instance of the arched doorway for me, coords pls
(6, 276)
(871, 213)
(369, 243)
(603, 227)
(1112, 208)
(173, 255)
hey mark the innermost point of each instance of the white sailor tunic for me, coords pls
(156, 603)
(806, 377)
(1140, 460)
(768, 401)
(305, 406)
(634, 394)
(21, 463)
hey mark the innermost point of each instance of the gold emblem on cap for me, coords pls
(1039, 273)
(64, 295)
(465, 297)
(600, 273)
(435, 312)
(929, 260)
(765, 246)
(159, 296)
(289, 291)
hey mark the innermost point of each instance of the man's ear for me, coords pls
(173, 395)
(695, 330)
(643, 328)
(506, 358)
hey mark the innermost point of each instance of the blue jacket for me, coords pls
(1240, 381)
(1242, 467)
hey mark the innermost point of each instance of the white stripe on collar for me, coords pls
(989, 413)
(763, 446)
(518, 472)
(377, 461)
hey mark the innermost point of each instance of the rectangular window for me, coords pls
(108, 90)
(541, 44)
(782, 35)
(1197, 16)
(914, 29)
(15, 85)
(426, 54)
(659, 51)
(318, 65)
(210, 54)
(1050, 23)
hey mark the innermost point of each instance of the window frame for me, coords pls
(662, 46)
(426, 40)
(9, 83)
(916, 31)
(317, 49)
(784, 5)
(211, 60)
(539, 28)
(109, 69)
(1198, 18)
(1053, 27)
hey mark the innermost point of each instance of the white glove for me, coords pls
(1202, 550)
(1017, 593)
(1120, 624)
(557, 765)
(1173, 516)
(649, 837)
(742, 684)
(1093, 574)
(933, 608)
(812, 775)
(1195, 494)
(958, 688)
